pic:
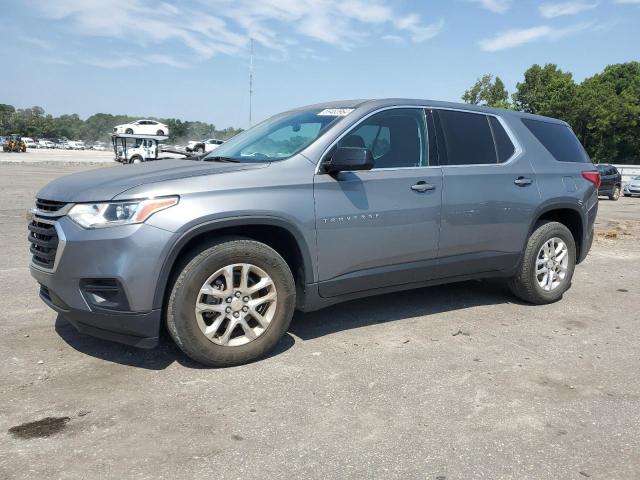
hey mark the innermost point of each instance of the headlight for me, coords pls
(109, 214)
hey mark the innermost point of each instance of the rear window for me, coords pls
(467, 137)
(559, 140)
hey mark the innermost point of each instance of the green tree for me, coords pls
(487, 91)
(608, 114)
(547, 91)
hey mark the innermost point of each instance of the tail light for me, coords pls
(593, 176)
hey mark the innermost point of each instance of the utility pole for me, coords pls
(250, 81)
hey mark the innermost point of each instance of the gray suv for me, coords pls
(312, 207)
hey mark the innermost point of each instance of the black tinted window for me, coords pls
(558, 139)
(468, 139)
(396, 138)
(503, 143)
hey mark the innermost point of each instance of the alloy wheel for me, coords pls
(236, 304)
(552, 264)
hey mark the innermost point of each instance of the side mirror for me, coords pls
(350, 158)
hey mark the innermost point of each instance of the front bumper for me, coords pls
(631, 190)
(128, 256)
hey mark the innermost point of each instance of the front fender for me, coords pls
(219, 224)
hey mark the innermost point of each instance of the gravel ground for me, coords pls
(452, 382)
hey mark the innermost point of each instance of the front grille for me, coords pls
(49, 205)
(44, 243)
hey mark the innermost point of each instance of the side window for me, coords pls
(396, 138)
(468, 138)
(558, 139)
(504, 146)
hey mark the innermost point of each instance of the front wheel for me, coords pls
(547, 265)
(129, 131)
(231, 303)
(160, 133)
(615, 195)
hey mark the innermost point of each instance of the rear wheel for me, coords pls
(199, 149)
(129, 131)
(231, 303)
(160, 132)
(615, 194)
(547, 265)
(136, 159)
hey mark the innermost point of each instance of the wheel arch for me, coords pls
(570, 215)
(277, 233)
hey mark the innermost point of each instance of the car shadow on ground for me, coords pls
(422, 302)
(306, 326)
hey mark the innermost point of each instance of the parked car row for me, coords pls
(62, 144)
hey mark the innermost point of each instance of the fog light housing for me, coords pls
(104, 294)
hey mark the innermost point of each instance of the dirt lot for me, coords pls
(455, 382)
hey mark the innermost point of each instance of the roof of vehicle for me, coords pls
(374, 104)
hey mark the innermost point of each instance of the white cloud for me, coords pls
(38, 42)
(123, 61)
(211, 27)
(496, 6)
(517, 37)
(552, 10)
(393, 38)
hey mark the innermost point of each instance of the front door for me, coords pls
(380, 228)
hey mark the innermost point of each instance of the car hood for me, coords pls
(107, 183)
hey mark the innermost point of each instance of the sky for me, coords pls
(189, 59)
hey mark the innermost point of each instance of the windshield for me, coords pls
(636, 178)
(279, 137)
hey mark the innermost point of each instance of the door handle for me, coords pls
(523, 182)
(422, 187)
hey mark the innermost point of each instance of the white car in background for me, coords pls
(204, 145)
(633, 187)
(29, 142)
(142, 127)
(99, 146)
(76, 144)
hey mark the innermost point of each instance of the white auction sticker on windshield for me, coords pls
(336, 112)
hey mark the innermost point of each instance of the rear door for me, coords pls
(489, 193)
(380, 227)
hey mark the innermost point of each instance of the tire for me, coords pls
(199, 150)
(627, 194)
(615, 194)
(160, 133)
(184, 325)
(136, 159)
(129, 131)
(525, 284)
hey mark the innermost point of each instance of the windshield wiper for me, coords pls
(221, 159)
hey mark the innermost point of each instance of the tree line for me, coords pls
(603, 110)
(35, 122)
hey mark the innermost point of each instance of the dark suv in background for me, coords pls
(313, 207)
(610, 181)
